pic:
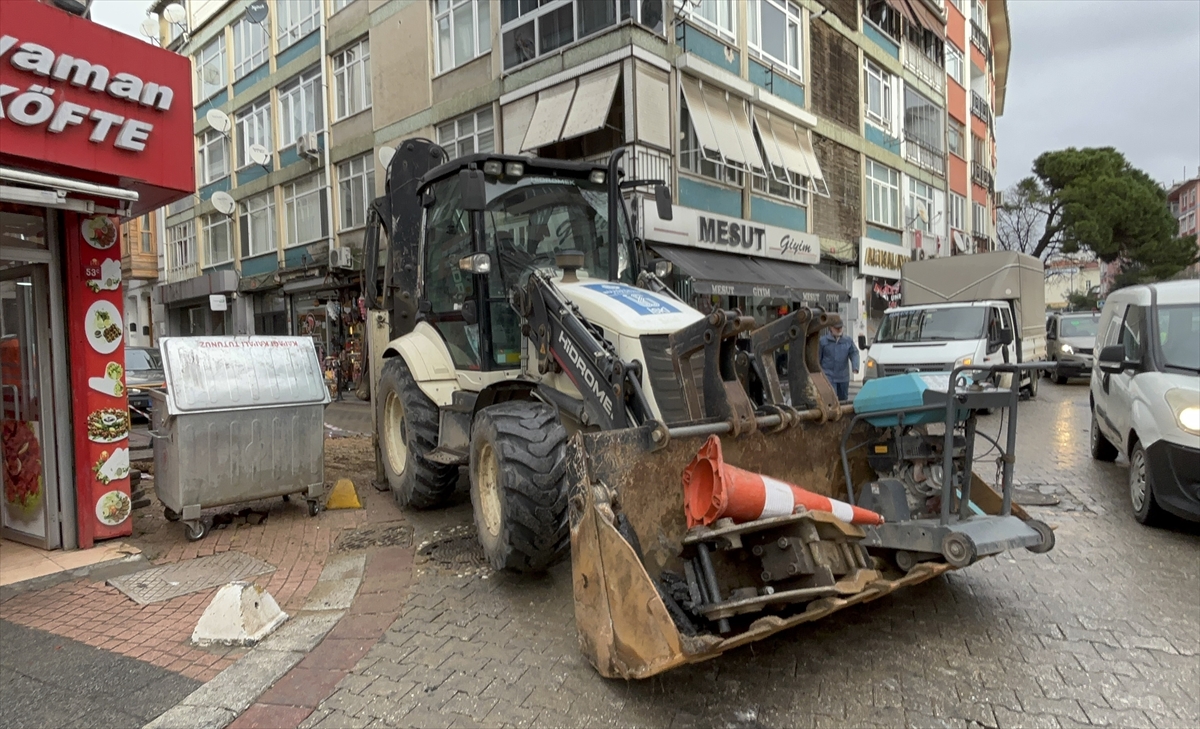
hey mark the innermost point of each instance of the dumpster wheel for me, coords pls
(195, 530)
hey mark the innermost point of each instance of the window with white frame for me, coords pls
(218, 234)
(468, 134)
(775, 32)
(530, 29)
(883, 195)
(718, 16)
(250, 46)
(923, 125)
(356, 190)
(462, 31)
(878, 87)
(957, 212)
(956, 67)
(352, 79)
(958, 4)
(296, 19)
(181, 246)
(253, 127)
(214, 156)
(979, 219)
(210, 68)
(956, 137)
(303, 213)
(257, 223)
(300, 107)
(920, 206)
(339, 4)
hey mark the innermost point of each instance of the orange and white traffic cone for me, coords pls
(713, 489)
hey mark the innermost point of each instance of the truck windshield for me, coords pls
(1178, 332)
(530, 221)
(932, 325)
(1079, 326)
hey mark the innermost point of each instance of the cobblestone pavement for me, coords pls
(1105, 630)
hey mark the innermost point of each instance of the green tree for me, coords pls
(1083, 300)
(1093, 200)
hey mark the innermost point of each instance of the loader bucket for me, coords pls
(629, 541)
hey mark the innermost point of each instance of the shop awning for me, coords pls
(790, 147)
(572, 108)
(728, 274)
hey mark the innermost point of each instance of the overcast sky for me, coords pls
(1084, 73)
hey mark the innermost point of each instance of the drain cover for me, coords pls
(457, 549)
(1027, 497)
(381, 535)
(159, 584)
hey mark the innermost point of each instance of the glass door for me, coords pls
(29, 502)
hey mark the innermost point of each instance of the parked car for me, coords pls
(1070, 339)
(143, 370)
(1145, 395)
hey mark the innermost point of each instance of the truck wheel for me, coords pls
(519, 485)
(1032, 388)
(408, 423)
(1102, 449)
(1141, 488)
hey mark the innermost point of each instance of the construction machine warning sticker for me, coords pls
(643, 302)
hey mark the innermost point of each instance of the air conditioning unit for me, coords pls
(307, 146)
(341, 258)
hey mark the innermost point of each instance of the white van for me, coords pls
(1145, 395)
(938, 338)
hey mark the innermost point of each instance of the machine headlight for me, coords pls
(514, 169)
(597, 177)
(1068, 349)
(1186, 406)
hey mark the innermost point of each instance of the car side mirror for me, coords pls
(862, 341)
(1005, 338)
(473, 190)
(662, 200)
(1112, 360)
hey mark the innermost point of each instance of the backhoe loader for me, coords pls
(521, 331)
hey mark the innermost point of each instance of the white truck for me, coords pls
(963, 310)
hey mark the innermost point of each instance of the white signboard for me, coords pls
(702, 229)
(216, 302)
(881, 260)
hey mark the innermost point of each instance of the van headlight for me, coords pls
(870, 369)
(1068, 349)
(963, 362)
(1186, 406)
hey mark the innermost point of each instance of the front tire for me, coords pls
(1032, 388)
(1141, 488)
(408, 423)
(1102, 448)
(519, 485)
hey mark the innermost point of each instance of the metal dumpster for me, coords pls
(242, 419)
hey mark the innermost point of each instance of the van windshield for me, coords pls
(1079, 326)
(933, 325)
(1178, 332)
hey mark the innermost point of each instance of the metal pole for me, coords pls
(1011, 448)
(763, 421)
(964, 504)
(948, 450)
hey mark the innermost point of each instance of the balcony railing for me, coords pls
(183, 272)
(980, 108)
(979, 37)
(641, 163)
(981, 176)
(927, 69)
(923, 154)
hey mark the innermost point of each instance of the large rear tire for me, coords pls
(519, 485)
(408, 423)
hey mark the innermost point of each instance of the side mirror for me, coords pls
(662, 201)
(1112, 360)
(1005, 338)
(470, 312)
(862, 341)
(473, 190)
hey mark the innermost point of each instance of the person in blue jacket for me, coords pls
(836, 352)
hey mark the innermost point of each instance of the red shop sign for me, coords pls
(76, 96)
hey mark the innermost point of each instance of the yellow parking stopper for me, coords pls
(343, 496)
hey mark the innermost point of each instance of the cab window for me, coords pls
(447, 287)
(1132, 333)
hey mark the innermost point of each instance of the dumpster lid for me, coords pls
(207, 374)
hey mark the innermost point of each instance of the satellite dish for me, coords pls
(218, 120)
(175, 14)
(385, 155)
(923, 214)
(258, 154)
(256, 11)
(223, 202)
(149, 27)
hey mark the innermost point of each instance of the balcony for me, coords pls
(980, 108)
(924, 155)
(182, 272)
(926, 69)
(979, 38)
(641, 163)
(981, 176)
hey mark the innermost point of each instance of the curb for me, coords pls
(217, 703)
(122, 565)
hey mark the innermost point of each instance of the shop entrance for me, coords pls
(29, 511)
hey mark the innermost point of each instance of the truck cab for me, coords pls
(940, 337)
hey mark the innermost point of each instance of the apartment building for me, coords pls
(139, 276)
(268, 244)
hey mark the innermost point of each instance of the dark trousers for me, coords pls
(842, 389)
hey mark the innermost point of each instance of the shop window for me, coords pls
(270, 314)
(304, 211)
(218, 243)
(296, 19)
(210, 68)
(300, 107)
(250, 46)
(253, 127)
(468, 134)
(257, 224)
(883, 195)
(356, 190)
(214, 156)
(463, 31)
(774, 31)
(352, 79)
